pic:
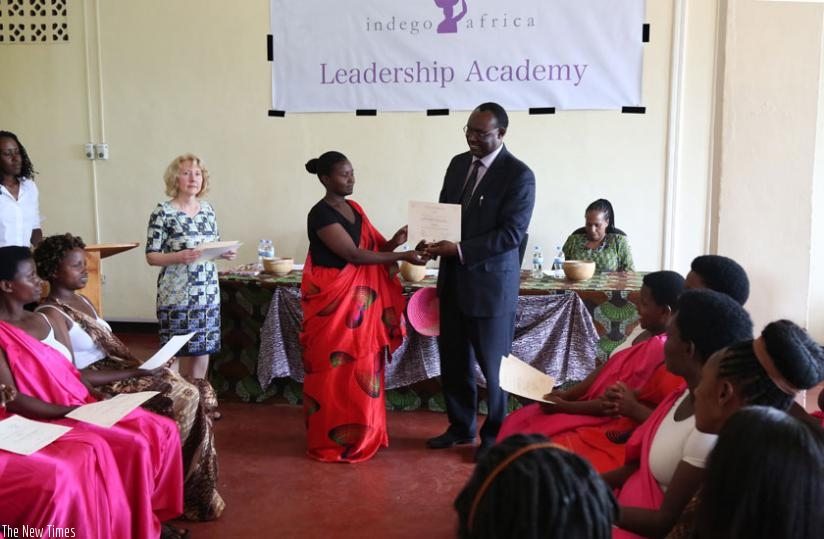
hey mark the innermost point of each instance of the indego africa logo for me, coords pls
(424, 65)
(452, 20)
(449, 24)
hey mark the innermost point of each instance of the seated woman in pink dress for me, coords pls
(584, 404)
(146, 447)
(107, 364)
(666, 455)
(72, 483)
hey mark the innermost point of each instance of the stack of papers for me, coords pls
(213, 249)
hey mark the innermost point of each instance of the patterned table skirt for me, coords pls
(562, 333)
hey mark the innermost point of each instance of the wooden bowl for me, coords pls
(278, 266)
(412, 273)
(579, 270)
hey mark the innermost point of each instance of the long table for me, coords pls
(563, 327)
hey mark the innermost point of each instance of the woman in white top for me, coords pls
(19, 198)
(104, 359)
(666, 456)
(754, 486)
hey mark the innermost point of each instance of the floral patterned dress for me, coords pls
(188, 295)
(614, 253)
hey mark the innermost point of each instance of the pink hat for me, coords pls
(423, 312)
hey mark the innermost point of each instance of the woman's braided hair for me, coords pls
(798, 358)
(526, 487)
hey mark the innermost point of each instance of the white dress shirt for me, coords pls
(486, 162)
(19, 217)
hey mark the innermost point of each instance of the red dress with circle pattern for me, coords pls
(351, 325)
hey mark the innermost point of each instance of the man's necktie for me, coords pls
(469, 186)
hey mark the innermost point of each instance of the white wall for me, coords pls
(769, 123)
(815, 306)
(690, 144)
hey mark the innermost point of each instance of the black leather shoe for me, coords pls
(447, 439)
(482, 450)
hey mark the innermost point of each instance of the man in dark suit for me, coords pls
(479, 277)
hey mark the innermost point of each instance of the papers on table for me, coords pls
(525, 380)
(167, 352)
(24, 436)
(107, 413)
(432, 221)
(214, 249)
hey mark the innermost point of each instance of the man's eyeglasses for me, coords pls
(477, 133)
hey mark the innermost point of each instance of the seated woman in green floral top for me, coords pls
(600, 241)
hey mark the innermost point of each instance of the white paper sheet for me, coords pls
(525, 380)
(166, 352)
(214, 249)
(432, 221)
(24, 436)
(107, 413)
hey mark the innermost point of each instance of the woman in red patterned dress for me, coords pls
(352, 305)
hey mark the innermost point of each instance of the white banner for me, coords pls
(411, 55)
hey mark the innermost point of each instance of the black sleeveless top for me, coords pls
(321, 215)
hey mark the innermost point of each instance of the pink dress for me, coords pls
(641, 489)
(71, 483)
(634, 366)
(146, 447)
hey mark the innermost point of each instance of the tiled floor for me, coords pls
(273, 490)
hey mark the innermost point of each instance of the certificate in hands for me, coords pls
(433, 221)
(525, 380)
(107, 413)
(24, 436)
(213, 249)
(167, 352)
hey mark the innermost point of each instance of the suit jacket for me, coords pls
(493, 226)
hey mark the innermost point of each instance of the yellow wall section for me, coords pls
(192, 76)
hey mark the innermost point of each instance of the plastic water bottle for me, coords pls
(265, 250)
(537, 263)
(558, 262)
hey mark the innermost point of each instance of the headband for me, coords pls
(499, 468)
(766, 361)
